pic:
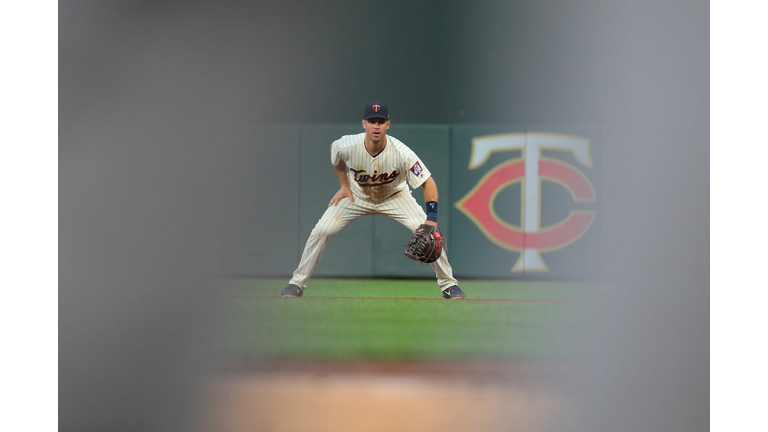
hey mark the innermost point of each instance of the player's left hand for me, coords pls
(426, 244)
(429, 222)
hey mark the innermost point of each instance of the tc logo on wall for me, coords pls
(530, 238)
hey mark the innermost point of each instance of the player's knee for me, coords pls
(413, 225)
(323, 232)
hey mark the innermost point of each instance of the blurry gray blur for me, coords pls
(153, 94)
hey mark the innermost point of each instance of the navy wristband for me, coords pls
(431, 211)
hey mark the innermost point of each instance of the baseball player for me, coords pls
(372, 168)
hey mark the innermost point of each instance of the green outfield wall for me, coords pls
(518, 201)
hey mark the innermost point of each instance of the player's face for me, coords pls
(376, 129)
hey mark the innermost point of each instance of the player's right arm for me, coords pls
(344, 191)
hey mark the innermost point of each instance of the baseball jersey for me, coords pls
(375, 178)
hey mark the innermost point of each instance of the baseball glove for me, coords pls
(425, 245)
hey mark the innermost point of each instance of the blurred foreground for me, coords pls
(379, 398)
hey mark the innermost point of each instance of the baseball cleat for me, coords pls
(292, 291)
(454, 293)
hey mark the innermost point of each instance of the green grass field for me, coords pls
(370, 319)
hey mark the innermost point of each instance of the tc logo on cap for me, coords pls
(376, 110)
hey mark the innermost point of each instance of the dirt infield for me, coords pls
(382, 396)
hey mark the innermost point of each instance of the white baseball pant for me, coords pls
(401, 207)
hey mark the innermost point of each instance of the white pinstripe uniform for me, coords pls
(378, 184)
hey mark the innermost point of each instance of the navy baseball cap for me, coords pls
(376, 110)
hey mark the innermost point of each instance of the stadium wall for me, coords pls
(515, 202)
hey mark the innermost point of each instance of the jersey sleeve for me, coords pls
(337, 153)
(417, 172)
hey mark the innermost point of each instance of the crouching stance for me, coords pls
(373, 168)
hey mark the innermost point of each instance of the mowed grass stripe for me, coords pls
(304, 298)
(420, 288)
(395, 325)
